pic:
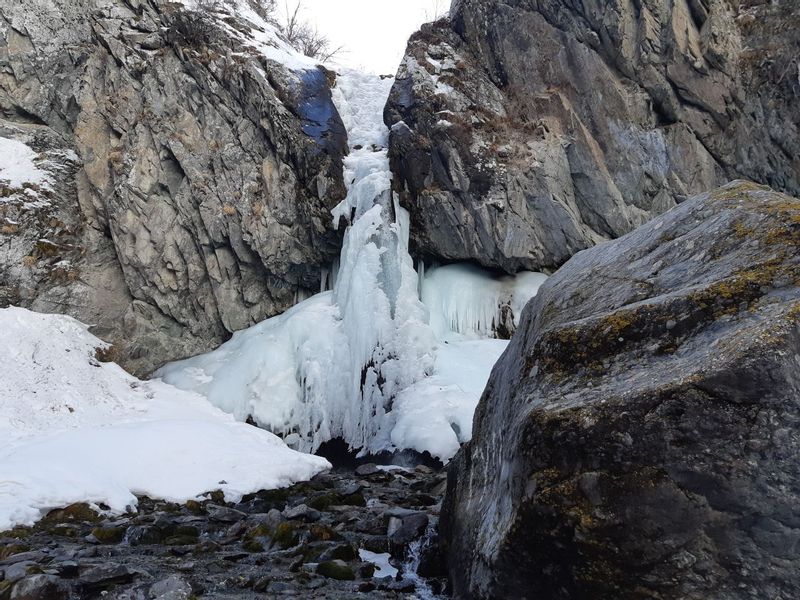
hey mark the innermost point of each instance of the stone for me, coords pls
(19, 570)
(105, 576)
(223, 514)
(144, 535)
(404, 529)
(174, 587)
(301, 512)
(262, 584)
(345, 552)
(336, 569)
(40, 587)
(12, 549)
(613, 457)
(524, 132)
(367, 469)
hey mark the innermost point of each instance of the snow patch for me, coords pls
(73, 429)
(263, 35)
(19, 165)
(383, 568)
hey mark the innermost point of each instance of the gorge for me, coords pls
(556, 253)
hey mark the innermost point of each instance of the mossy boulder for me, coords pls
(336, 569)
(253, 546)
(183, 535)
(323, 533)
(322, 501)
(641, 434)
(286, 535)
(109, 534)
(8, 550)
(74, 513)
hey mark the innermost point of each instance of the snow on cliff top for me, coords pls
(263, 35)
(73, 429)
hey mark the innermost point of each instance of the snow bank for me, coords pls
(435, 414)
(73, 429)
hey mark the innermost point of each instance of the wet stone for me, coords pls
(223, 514)
(336, 569)
(218, 550)
(40, 587)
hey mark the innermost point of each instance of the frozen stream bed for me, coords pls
(382, 360)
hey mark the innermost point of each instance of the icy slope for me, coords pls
(73, 429)
(367, 361)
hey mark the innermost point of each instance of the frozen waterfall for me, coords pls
(368, 361)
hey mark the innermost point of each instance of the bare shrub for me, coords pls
(305, 37)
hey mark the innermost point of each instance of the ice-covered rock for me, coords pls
(640, 437)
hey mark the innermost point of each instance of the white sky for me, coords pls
(373, 32)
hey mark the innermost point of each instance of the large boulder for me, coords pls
(191, 172)
(524, 131)
(640, 438)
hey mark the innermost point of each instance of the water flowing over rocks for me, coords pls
(191, 174)
(525, 131)
(640, 436)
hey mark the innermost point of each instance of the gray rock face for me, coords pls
(193, 176)
(640, 437)
(527, 130)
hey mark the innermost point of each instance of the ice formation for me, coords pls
(73, 429)
(382, 360)
(466, 299)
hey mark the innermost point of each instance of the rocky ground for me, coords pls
(307, 541)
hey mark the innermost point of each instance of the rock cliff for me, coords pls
(639, 437)
(189, 172)
(527, 130)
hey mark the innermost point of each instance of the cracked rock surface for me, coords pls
(524, 131)
(639, 438)
(192, 178)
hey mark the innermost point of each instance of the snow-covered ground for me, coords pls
(73, 429)
(380, 361)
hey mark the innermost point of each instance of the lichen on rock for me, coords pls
(639, 439)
